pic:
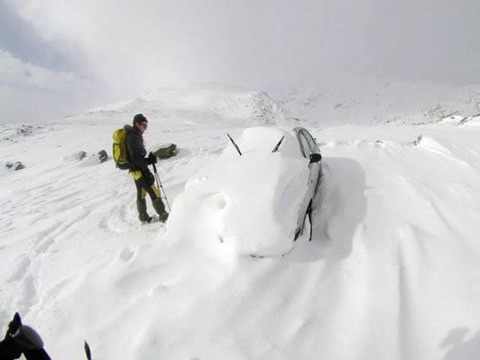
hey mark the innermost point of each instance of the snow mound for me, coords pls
(471, 121)
(430, 144)
(252, 202)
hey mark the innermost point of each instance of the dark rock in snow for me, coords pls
(15, 166)
(102, 155)
(167, 151)
(79, 155)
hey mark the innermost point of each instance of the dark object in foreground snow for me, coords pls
(21, 339)
(88, 352)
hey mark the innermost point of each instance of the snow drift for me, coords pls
(253, 201)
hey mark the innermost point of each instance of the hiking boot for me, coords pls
(160, 209)
(142, 211)
(163, 218)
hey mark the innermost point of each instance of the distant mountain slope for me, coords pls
(378, 101)
(348, 101)
(184, 107)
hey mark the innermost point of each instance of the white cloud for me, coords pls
(14, 72)
(148, 43)
(128, 45)
(30, 93)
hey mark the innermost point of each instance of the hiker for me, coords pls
(144, 179)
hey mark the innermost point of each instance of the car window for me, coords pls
(305, 146)
(311, 142)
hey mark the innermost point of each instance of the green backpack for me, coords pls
(120, 149)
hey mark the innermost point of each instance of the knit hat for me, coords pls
(139, 118)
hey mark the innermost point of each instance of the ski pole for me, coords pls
(159, 184)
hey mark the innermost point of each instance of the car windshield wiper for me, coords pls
(234, 144)
(275, 149)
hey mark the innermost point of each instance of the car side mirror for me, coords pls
(315, 158)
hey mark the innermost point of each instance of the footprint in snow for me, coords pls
(21, 269)
(127, 254)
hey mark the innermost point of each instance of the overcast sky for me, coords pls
(59, 57)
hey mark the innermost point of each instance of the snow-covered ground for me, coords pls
(392, 272)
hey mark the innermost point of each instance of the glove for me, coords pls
(152, 159)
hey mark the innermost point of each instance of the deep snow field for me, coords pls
(392, 272)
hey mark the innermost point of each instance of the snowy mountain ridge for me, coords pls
(186, 107)
(379, 102)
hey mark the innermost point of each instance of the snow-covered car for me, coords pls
(257, 193)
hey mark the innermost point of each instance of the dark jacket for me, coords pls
(136, 150)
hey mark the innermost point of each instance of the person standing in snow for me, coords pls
(143, 177)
